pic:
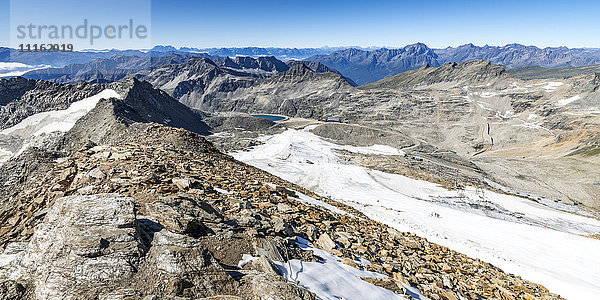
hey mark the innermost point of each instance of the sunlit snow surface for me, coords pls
(331, 279)
(520, 236)
(569, 100)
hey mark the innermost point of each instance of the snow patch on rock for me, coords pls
(45, 123)
(332, 279)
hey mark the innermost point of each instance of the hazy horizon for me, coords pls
(315, 24)
(321, 47)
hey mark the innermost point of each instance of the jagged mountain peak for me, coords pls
(137, 84)
(315, 66)
(295, 72)
(228, 62)
(163, 48)
(418, 48)
(265, 63)
(299, 68)
(200, 60)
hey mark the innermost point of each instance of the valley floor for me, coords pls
(537, 242)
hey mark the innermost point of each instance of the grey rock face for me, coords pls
(14, 88)
(265, 63)
(271, 286)
(95, 246)
(184, 215)
(180, 265)
(84, 246)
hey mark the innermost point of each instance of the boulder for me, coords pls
(184, 215)
(83, 247)
(325, 242)
(274, 287)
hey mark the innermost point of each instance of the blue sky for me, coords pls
(358, 23)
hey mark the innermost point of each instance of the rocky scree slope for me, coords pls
(510, 128)
(534, 72)
(161, 213)
(124, 207)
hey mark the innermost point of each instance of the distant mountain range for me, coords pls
(105, 69)
(280, 53)
(369, 66)
(360, 65)
(516, 55)
(61, 59)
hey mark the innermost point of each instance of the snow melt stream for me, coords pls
(537, 242)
